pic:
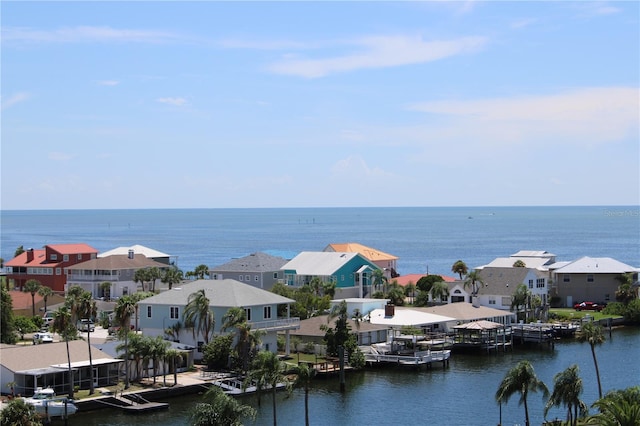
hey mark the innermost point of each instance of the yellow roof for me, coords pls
(368, 252)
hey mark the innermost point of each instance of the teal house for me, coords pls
(162, 314)
(351, 272)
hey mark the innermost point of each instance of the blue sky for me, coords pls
(305, 104)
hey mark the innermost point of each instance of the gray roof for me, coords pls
(496, 279)
(221, 293)
(464, 311)
(311, 326)
(255, 262)
(31, 357)
(596, 265)
(118, 262)
(320, 263)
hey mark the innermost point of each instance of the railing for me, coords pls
(92, 278)
(279, 324)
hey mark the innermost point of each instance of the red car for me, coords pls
(588, 306)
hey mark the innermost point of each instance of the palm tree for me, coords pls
(473, 280)
(63, 325)
(141, 276)
(71, 301)
(460, 268)
(440, 291)
(159, 348)
(268, 369)
(618, 408)
(625, 292)
(592, 333)
(45, 292)
(32, 286)
(520, 379)
(87, 308)
(219, 409)
(378, 280)
(172, 356)
(105, 286)
(566, 391)
(172, 276)
(198, 315)
(201, 271)
(154, 275)
(123, 311)
(304, 377)
(519, 299)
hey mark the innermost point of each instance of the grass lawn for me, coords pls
(570, 314)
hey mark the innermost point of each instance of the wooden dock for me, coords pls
(415, 359)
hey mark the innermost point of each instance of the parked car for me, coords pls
(86, 325)
(43, 337)
(47, 319)
(589, 306)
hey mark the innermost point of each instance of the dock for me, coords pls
(411, 359)
(133, 403)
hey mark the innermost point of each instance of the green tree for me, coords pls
(87, 308)
(19, 413)
(63, 325)
(625, 292)
(24, 325)
(519, 300)
(268, 369)
(519, 264)
(154, 275)
(440, 291)
(396, 294)
(172, 357)
(460, 268)
(7, 328)
(219, 409)
(378, 280)
(410, 291)
(172, 276)
(216, 353)
(521, 379)
(592, 334)
(618, 408)
(340, 334)
(141, 276)
(567, 388)
(473, 280)
(45, 292)
(198, 316)
(32, 286)
(304, 377)
(201, 271)
(125, 308)
(159, 348)
(18, 251)
(105, 287)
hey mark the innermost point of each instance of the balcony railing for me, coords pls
(277, 325)
(92, 278)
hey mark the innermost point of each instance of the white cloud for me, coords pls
(108, 82)
(81, 34)
(172, 101)
(15, 99)
(380, 52)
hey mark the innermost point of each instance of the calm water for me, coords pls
(423, 238)
(461, 395)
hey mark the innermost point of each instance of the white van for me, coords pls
(86, 325)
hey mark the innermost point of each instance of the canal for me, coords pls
(461, 394)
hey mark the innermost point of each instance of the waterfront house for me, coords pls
(464, 312)
(310, 333)
(46, 365)
(47, 265)
(163, 311)
(147, 252)
(592, 279)
(351, 272)
(385, 261)
(395, 318)
(117, 269)
(259, 269)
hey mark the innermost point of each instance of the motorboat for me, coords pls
(48, 404)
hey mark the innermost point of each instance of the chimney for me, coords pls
(389, 310)
(130, 254)
(29, 255)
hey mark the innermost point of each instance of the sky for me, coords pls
(210, 104)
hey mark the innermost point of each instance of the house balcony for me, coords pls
(281, 324)
(92, 278)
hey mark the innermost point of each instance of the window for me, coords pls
(589, 278)
(58, 271)
(65, 258)
(267, 312)
(148, 311)
(215, 276)
(247, 313)
(175, 312)
(255, 278)
(530, 283)
(54, 257)
(540, 283)
(275, 275)
(492, 301)
(247, 278)
(240, 278)
(566, 278)
(79, 256)
(607, 297)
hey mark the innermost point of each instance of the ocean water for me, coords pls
(425, 239)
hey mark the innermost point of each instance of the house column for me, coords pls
(287, 339)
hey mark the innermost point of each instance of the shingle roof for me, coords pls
(311, 326)
(39, 256)
(596, 265)
(221, 293)
(406, 317)
(21, 357)
(255, 262)
(368, 252)
(466, 311)
(319, 263)
(117, 262)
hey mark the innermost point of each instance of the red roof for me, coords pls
(413, 278)
(39, 256)
(21, 300)
(72, 248)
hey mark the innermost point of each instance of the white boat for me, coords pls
(48, 404)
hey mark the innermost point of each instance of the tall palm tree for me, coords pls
(198, 316)
(71, 301)
(519, 299)
(45, 292)
(123, 311)
(304, 377)
(473, 280)
(172, 356)
(567, 388)
(201, 271)
(520, 379)
(268, 369)
(219, 409)
(172, 276)
(159, 348)
(141, 276)
(592, 333)
(378, 280)
(440, 291)
(32, 286)
(63, 325)
(460, 268)
(87, 308)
